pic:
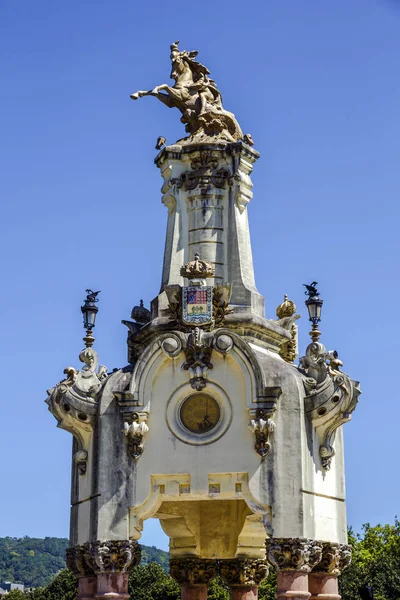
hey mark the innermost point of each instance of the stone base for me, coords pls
(194, 592)
(87, 587)
(112, 586)
(293, 585)
(244, 592)
(323, 586)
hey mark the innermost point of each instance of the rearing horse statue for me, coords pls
(198, 99)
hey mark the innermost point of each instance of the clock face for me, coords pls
(200, 413)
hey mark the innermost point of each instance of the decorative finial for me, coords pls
(286, 309)
(314, 306)
(197, 269)
(140, 314)
(89, 310)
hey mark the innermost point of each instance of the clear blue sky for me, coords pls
(317, 85)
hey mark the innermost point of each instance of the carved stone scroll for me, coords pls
(192, 570)
(243, 571)
(335, 558)
(293, 554)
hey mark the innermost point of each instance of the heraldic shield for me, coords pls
(197, 304)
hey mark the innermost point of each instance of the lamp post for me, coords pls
(89, 311)
(314, 307)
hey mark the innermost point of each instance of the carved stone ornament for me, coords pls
(286, 309)
(198, 99)
(140, 314)
(331, 396)
(80, 459)
(135, 432)
(198, 358)
(103, 557)
(197, 305)
(293, 554)
(243, 571)
(197, 269)
(73, 402)
(262, 427)
(205, 172)
(76, 561)
(220, 305)
(192, 570)
(335, 558)
(114, 556)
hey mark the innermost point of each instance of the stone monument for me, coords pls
(211, 427)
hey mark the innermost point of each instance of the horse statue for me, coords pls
(198, 99)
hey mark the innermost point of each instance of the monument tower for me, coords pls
(211, 427)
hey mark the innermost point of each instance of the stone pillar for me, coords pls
(243, 576)
(103, 568)
(193, 575)
(323, 580)
(293, 558)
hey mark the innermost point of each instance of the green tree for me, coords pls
(376, 561)
(16, 595)
(151, 582)
(63, 587)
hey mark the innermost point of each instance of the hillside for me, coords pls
(35, 561)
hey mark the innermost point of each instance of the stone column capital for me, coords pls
(293, 554)
(243, 571)
(192, 570)
(116, 556)
(76, 561)
(335, 558)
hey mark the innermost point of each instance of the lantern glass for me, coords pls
(314, 306)
(89, 316)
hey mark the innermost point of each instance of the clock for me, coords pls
(199, 413)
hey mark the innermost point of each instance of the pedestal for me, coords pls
(194, 592)
(112, 586)
(87, 587)
(293, 585)
(244, 592)
(323, 586)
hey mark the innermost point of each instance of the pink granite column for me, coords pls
(112, 586)
(293, 585)
(193, 575)
(87, 587)
(323, 587)
(243, 576)
(323, 580)
(293, 559)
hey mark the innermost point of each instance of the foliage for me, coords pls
(63, 587)
(31, 561)
(34, 561)
(16, 595)
(151, 582)
(376, 561)
(267, 589)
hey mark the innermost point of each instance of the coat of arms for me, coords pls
(197, 304)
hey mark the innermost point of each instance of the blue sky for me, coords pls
(316, 84)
